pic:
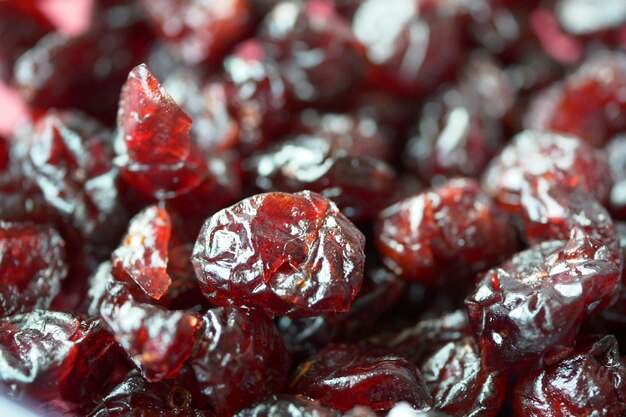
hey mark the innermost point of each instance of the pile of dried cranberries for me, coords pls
(313, 208)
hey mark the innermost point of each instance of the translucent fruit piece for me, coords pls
(569, 161)
(442, 232)
(55, 356)
(143, 255)
(589, 381)
(526, 313)
(239, 359)
(32, 266)
(344, 376)
(154, 128)
(289, 406)
(293, 254)
(157, 340)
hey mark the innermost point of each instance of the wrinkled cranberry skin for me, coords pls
(32, 266)
(153, 127)
(589, 381)
(292, 254)
(54, 356)
(458, 382)
(70, 161)
(135, 396)
(442, 232)
(289, 406)
(413, 45)
(360, 187)
(344, 376)
(142, 257)
(238, 359)
(315, 49)
(550, 212)
(222, 25)
(587, 104)
(566, 159)
(158, 341)
(526, 312)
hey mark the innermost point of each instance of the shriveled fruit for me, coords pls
(135, 396)
(289, 406)
(568, 160)
(238, 359)
(143, 254)
(157, 340)
(54, 356)
(32, 265)
(292, 254)
(458, 382)
(589, 381)
(526, 312)
(449, 231)
(344, 376)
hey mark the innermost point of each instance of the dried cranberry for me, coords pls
(413, 45)
(293, 254)
(289, 406)
(458, 382)
(153, 127)
(588, 381)
(54, 356)
(315, 48)
(70, 160)
(137, 397)
(344, 376)
(32, 265)
(449, 231)
(157, 340)
(360, 186)
(200, 30)
(587, 104)
(239, 357)
(525, 313)
(550, 211)
(259, 97)
(568, 161)
(142, 256)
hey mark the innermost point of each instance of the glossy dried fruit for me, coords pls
(589, 381)
(135, 396)
(458, 382)
(565, 159)
(450, 231)
(550, 211)
(70, 161)
(143, 254)
(587, 104)
(360, 186)
(200, 30)
(526, 313)
(32, 266)
(293, 254)
(414, 45)
(344, 376)
(54, 356)
(239, 357)
(289, 406)
(158, 341)
(153, 127)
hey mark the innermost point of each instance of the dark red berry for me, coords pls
(293, 254)
(289, 406)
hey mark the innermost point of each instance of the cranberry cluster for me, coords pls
(313, 208)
